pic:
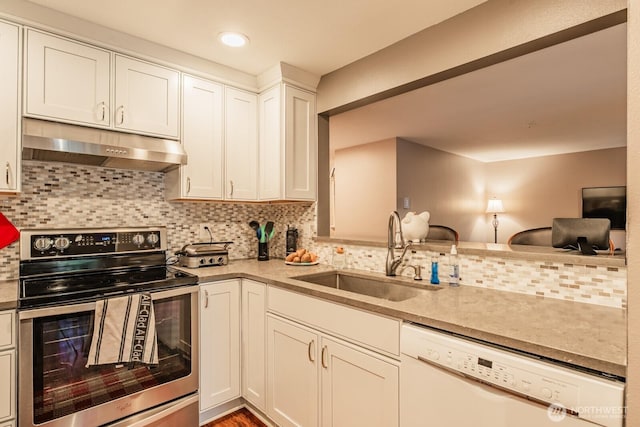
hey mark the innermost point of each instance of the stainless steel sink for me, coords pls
(386, 288)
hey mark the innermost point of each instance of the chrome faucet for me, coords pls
(395, 240)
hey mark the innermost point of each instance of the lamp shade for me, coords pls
(495, 206)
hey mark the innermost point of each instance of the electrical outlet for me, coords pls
(203, 234)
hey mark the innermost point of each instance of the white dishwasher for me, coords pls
(451, 381)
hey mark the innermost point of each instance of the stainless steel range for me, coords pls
(64, 276)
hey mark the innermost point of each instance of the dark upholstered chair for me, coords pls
(535, 236)
(442, 232)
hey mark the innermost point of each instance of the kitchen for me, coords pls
(45, 193)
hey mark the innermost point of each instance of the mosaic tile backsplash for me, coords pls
(59, 195)
(582, 283)
(63, 196)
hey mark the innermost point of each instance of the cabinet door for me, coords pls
(358, 389)
(301, 144)
(7, 385)
(202, 137)
(219, 343)
(146, 98)
(254, 328)
(241, 145)
(292, 374)
(9, 111)
(7, 330)
(67, 80)
(271, 173)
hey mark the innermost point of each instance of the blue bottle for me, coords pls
(434, 271)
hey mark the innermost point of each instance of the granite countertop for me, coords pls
(586, 335)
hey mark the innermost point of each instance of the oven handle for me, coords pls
(90, 306)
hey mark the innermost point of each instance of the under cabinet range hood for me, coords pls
(60, 142)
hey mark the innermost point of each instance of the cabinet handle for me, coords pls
(231, 193)
(104, 111)
(309, 353)
(322, 357)
(6, 177)
(188, 185)
(206, 298)
(121, 109)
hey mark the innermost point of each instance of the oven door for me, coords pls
(56, 389)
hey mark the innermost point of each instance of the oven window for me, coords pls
(63, 385)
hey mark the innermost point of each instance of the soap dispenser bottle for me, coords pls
(434, 270)
(454, 276)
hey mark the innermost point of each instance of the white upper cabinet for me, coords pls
(241, 145)
(9, 107)
(202, 137)
(270, 137)
(71, 82)
(67, 80)
(301, 144)
(288, 144)
(146, 97)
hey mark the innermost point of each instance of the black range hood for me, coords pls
(60, 142)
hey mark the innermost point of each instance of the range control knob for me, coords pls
(42, 243)
(61, 243)
(153, 238)
(138, 239)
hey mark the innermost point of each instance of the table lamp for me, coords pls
(495, 207)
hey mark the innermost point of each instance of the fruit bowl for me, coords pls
(302, 264)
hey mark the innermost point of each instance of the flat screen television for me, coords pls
(606, 202)
(583, 234)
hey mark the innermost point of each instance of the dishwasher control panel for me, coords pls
(490, 367)
(513, 373)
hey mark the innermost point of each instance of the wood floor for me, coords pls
(240, 418)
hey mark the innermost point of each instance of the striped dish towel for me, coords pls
(124, 331)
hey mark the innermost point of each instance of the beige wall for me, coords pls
(491, 27)
(536, 190)
(633, 206)
(450, 187)
(455, 189)
(365, 190)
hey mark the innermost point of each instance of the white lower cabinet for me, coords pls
(292, 373)
(358, 389)
(7, 388)
(314, 380)
(219, 343)
(254, 374)
(7, 368)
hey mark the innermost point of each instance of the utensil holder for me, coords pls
(263, 251)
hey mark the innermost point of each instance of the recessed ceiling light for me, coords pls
(233, 39)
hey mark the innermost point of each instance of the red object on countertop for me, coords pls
(8, 233)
